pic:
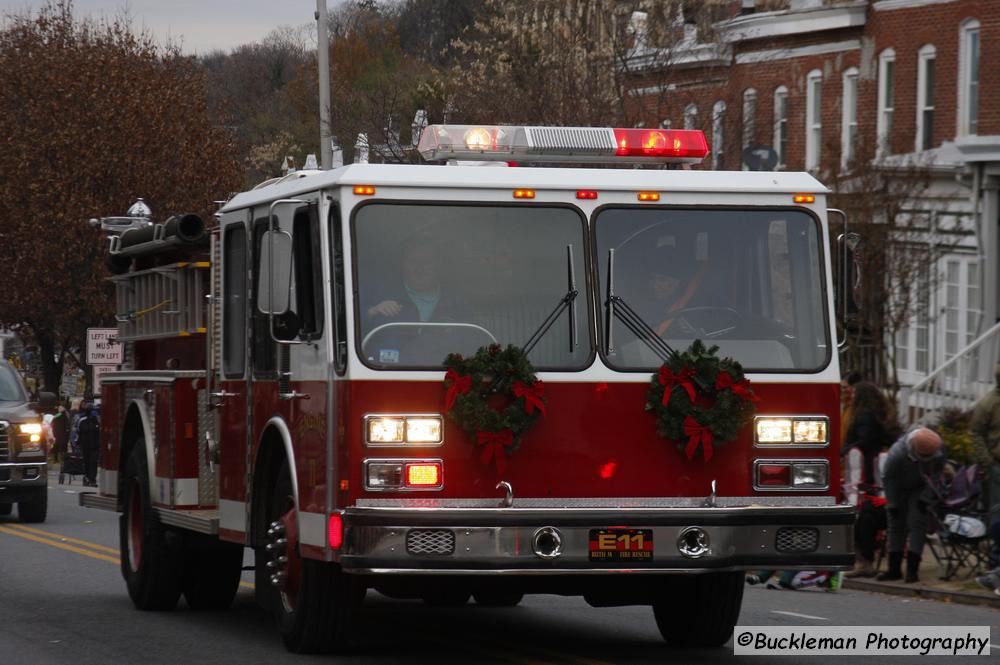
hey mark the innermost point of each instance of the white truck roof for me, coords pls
(490, 177)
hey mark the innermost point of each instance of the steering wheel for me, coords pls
(705, 322)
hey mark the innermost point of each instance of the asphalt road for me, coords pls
(62, 600)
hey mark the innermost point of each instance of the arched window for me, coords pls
(691, 117)
(718, 134)
(749, 118)
(886, 99)
(849, 122)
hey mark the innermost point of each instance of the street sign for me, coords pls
(98, 370)
(100, 349)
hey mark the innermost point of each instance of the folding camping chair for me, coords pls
(956, 526)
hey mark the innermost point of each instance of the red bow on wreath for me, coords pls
(494, 445)
(532, 396)
(459, 386)
(669, 380)
(740, 388)
(697, 434)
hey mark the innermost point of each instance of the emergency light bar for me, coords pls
(562, 144)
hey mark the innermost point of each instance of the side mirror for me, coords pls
(274, 274)
(849, 275)
(46, 402)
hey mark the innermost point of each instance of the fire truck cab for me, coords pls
(283, 388)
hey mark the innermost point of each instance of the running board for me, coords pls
(95, 500)
(201, 521)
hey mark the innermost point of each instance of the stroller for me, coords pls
(72, 465)
(956, 523)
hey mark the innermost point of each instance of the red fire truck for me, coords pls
(284, 386)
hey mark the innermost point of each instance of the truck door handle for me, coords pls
(219, 397)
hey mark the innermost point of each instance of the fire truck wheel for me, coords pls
(6, 508)
(212, 576)
(699, 610)
(498, 598)
(150, 563)
(34, 510)
(315, 602)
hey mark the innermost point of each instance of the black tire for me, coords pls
(152, 558)
(699, 610)
(212, 575)
(317, 613)
(6, 509)
(34, 510)
(498, 598)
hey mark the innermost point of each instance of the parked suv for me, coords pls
(23, 472)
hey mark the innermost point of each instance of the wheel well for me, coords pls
(132, 431)
(270, 455)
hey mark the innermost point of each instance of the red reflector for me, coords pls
(586, 194)
(364, 190)
(804, 198)
(335, 531)
(423, 475)
(524, 193)
(774, 475)
(649, 196)
(661, 143)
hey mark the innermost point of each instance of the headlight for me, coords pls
(30, 439)
(791, 431)
(33, 430)
(416, 429)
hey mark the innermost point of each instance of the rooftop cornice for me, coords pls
(793, 22)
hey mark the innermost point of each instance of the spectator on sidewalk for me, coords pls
(89, 439)
(914, 458)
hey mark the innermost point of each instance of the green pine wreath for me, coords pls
(700, 400)
(494, 397)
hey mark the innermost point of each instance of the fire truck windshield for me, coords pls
(434, 279)
(749, 281)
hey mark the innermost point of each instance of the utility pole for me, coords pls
(323, 64)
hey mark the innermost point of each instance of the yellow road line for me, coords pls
(62, 538)
(56, 543)
(247, 585)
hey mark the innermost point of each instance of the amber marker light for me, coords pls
(524, 193)
(804, 198)
(423, 475)
(364, 190)
(649, 196)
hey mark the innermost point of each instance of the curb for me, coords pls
(959, 597)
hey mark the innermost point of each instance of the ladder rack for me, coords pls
(166, 301)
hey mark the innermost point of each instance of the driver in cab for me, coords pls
(420, 296)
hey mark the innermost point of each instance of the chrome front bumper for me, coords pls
(492, 541)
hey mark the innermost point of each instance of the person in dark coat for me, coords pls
(915, 457)
(60, 434)
(89, 439)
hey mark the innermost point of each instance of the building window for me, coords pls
(749, 117)
(781, 124)
(718, 134)
(922, 328)
(814, 122)
(952, 312)
(886, 99)
(973, 307)
(849, 125)
(690, 116)
(968, 78)
(926, 58)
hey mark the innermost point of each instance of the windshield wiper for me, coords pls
(568, 301)
(619, 309)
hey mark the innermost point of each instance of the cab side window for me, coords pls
(308, 274)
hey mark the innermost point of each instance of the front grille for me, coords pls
(4, 443)
(430, 541)
(797, 539)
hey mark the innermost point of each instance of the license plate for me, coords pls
(621, 544)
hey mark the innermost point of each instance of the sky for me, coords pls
(199, 26)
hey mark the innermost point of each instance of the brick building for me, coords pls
(834, 86)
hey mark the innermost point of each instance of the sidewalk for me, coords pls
(956, 590)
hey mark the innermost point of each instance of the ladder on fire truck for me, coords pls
(165, 301)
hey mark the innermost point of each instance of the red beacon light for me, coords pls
(521, 144)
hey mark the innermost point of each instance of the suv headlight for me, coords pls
(29, 438)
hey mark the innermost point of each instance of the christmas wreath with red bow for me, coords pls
(494, 397)
(700, 400)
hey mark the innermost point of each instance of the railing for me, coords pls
(957, 384)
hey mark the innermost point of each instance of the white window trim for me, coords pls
(718, 133)
(813, 144)
(781, 92)
(749, 118)
(968, 27)
(926, 52)
(690, 117)
(849, 116)
(884, 139)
